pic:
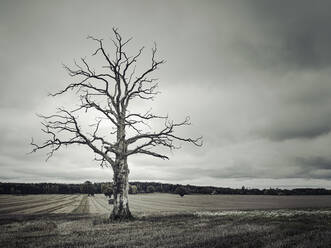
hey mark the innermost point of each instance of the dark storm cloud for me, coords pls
(295, 132)
(315, 167)
(299, 29)
(299, 106)
(315, 162)
(292, 46)
(296, 128)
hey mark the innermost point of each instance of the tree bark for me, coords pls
(96, 93)
(121, 209)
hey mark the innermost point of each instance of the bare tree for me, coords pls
(109, 93)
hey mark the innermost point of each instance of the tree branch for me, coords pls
(108, 93)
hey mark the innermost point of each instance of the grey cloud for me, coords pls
(299, 129)
(309, 48)
(309, 168)
(314, 167)
(291, 34)
(315, 162)
(297, 106)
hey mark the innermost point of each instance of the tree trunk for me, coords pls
(121, 209)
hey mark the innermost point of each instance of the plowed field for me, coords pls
(165, 220)
(154, 203)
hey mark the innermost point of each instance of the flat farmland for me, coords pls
(38, 204)
(166, 220)
(154, 203)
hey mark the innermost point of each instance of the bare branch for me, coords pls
(165, 137)
(108, 94)
(65, 122)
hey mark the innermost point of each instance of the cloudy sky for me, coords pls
(253, 75)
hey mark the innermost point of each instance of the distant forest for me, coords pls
(147, 187)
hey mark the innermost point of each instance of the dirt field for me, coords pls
(164, 220)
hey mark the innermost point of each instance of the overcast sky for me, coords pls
(253, 75)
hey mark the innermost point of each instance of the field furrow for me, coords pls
(42, 208)
(57, 206)
(103, 202)
(5, 199)
(33, 199)
(69, 208)
(153, 203)
(96, 207)
(30, 207)
(83, 207)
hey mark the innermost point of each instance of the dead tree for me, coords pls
(108, 94)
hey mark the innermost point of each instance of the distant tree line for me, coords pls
(147, 187)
